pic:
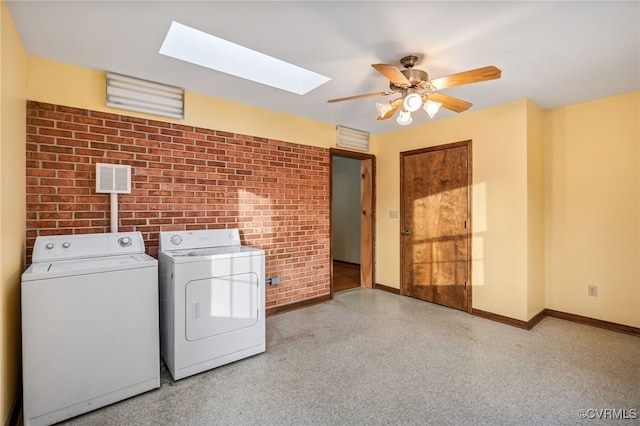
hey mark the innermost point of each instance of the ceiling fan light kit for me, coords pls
(417, 91)
(414, 102)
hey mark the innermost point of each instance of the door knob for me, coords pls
(405, 232)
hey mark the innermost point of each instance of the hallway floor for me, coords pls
(372, 357)
(345, 275)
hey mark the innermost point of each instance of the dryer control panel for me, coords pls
(198, 239)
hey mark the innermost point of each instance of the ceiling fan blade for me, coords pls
(451, 103)
(466, 77)
(392, 73)
(395, 106)
(368, 95)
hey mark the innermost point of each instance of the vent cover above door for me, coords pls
(113, 178)
(352, 139)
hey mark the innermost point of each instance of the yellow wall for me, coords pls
(535, 211)
(499, 220)
(592, 208)
(13, 70)
(64, 84)
(556, 206)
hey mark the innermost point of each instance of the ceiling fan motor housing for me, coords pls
(416, 77)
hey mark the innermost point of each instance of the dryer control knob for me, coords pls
(66, 244)
(49, 246)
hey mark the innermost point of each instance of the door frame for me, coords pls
(369, 209)
(469, 145)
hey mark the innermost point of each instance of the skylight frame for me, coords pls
(200, 48)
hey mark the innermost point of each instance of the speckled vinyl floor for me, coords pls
(369, 357)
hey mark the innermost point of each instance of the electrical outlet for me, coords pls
(593, 290)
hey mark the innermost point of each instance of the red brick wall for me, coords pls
(183, 177)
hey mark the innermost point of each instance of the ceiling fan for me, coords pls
(417, 91)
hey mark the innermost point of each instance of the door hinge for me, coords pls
(465, 285)
(465, 224)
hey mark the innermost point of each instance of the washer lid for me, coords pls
(204, 254)
(61, 268)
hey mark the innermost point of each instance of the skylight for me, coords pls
(197, 47)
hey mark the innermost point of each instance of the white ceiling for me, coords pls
(554, 53)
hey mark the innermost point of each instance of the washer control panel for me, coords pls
(59, 247)
(124, 241)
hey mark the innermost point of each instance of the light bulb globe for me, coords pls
(412, 102)
(404, 119)
(432, 107)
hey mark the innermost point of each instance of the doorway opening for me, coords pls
(352, 219)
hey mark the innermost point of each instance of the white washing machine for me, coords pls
(90, 324)
(212, 300)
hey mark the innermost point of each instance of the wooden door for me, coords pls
(435, 240)
(366, 223)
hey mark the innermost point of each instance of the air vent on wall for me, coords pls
(352, 139)
(113, 178)
(144, 96)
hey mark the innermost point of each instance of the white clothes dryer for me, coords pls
(90, 324)
(212, 300)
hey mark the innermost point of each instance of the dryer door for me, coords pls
(219, 305)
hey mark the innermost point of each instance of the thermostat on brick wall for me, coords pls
(113, 178)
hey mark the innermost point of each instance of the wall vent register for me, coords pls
(352, 138)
